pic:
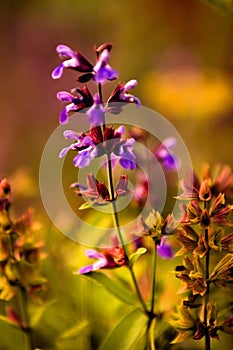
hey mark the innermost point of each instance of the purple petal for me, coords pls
(65, 51)
(165, 250)
(57, 72)
(130, 84)
(72, 135)
(105, 73)
(71, 63)
(121, 130)
(85, 269)
(171, 162)
(64, 116)
(127, 164)
(96, 115)
(84, 157)
(169, 142)
(64, 96)
(111, 73)
(91, 253)
(137, 101)
(64, 151)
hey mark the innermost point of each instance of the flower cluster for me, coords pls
(202, 234)
(20, 251)
(159, 230)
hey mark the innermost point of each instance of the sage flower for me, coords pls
(82, 99)
(166, 156)
(107, 258)
(101, 72)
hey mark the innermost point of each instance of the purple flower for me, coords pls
(164, 249)
(120, 94)
(81, 100)
(83, 144)
(125, 154)
(100, 73)
(102, 262)
(102, 70)
(85, 156)
(108, 258)
(96, 144)
(74, 60)
(165, 156)
(96, 112)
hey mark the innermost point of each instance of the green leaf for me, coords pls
(225, 5)
(129, 333)
(75, 337)
(112, 286)
(74, 331)
(12, 337)
(49, 322)
(133, 257)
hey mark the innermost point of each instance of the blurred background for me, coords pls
(179, 51)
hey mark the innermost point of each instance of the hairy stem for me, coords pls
(206, 298)
(119, 233)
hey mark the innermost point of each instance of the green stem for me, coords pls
(153, 281)
(101, 99)
(21, 298)
(119, 233)
(206, 298)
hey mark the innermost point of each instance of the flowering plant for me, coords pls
(153, 235)
(130, 192)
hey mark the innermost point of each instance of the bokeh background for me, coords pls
(182, 56)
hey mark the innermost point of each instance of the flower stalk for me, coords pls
(119, 233)
(206, 298)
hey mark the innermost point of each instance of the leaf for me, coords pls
(74, 335)
(85, 206)
(128, 334)
(225, 5)
(112, 286)
(133, 257)
(12, 337)
(49, 322)
(74, 331)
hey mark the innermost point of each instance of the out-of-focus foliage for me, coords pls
(226, 5)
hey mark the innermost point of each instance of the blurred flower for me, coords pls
(201, 94)
(122, 186)
(81, 100)
(166, 156)
(164, 249)
(108, 258)
(5, 194)
(211, 183)
(217, 213)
